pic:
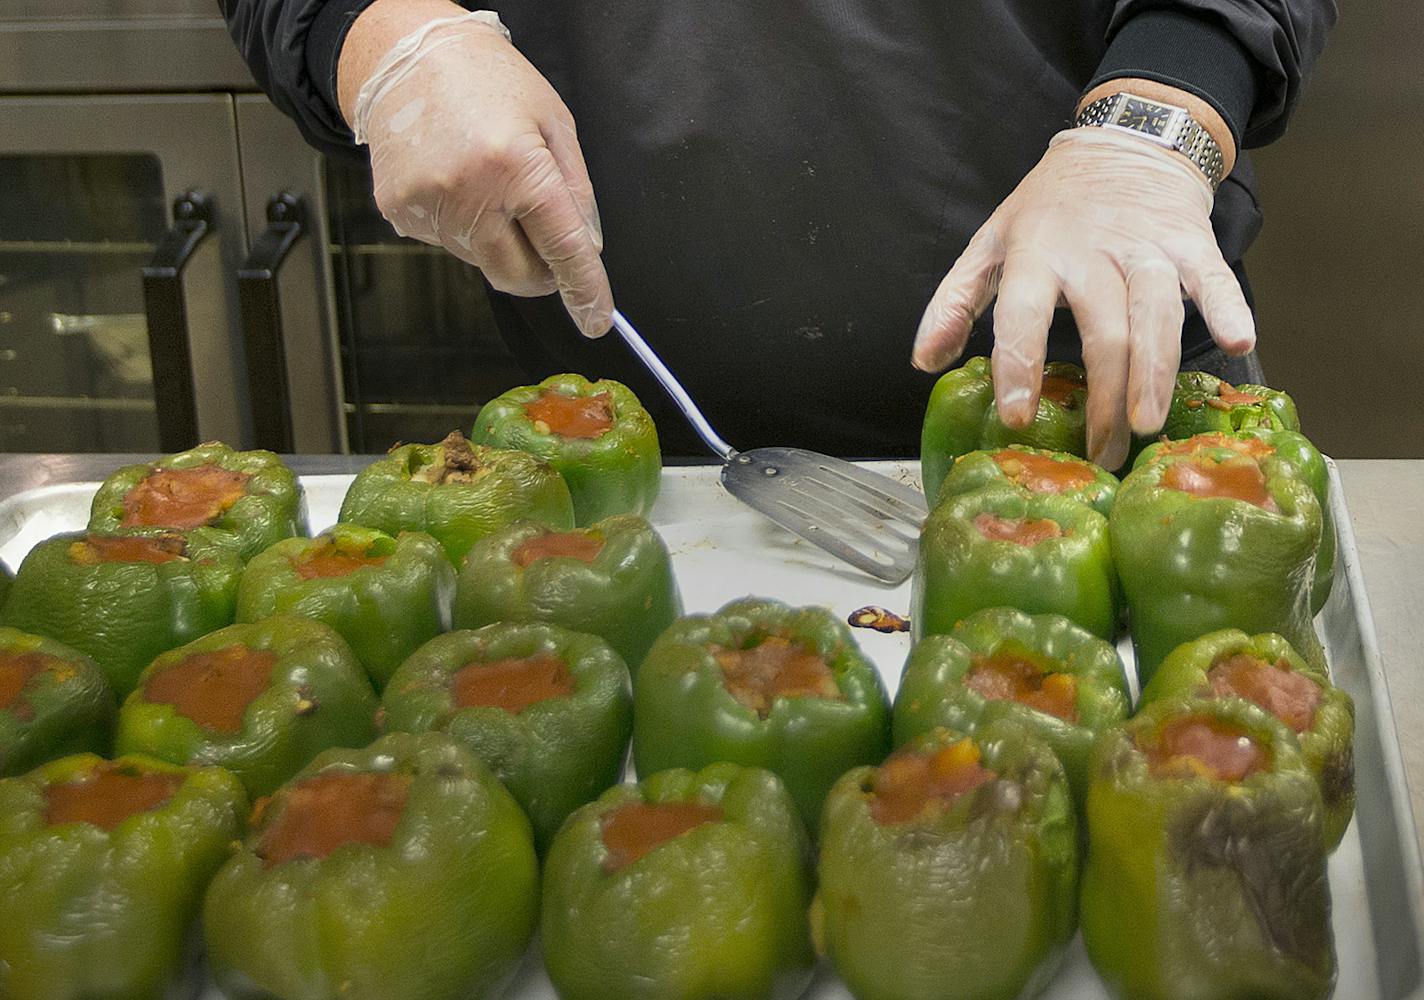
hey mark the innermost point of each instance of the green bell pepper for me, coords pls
(249, 496)
(687, 886)
(7, 579)
(401, 870)
(950, 872)
(549, 711)
(962, 417)
(764, 685)
(123, 599)
(596, 434)
(1216, 539)
(612, 579)
(1206, 872)
(260, 699)
(457, 492)
(1032, 470)
(1001, 547)
(54, 701)
(1061, 683)
(384, 595)
(1265, 670)
(102, 870)
(1203, 403)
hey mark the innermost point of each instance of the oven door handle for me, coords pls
(165, 304)
(259, 300)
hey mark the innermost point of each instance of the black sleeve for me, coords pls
(1247, 58)
(291, 47)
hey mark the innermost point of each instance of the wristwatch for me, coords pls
(1165, 124)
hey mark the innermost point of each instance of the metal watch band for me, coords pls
(1182, 132)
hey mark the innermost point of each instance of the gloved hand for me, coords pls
(473, 150)
(1117, 228)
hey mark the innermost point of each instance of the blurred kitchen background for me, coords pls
(153, 205)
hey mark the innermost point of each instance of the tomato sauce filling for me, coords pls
(16, 671)
(1291, 697)
(512, 684)
(108, 795)
(1061, 389)
(213, 689)
(774, 668)
(910, 782)
(1019, 530)
(183, 498)
(581, 545)
(1042, 474)
(1234, 479)
(332, 559)
(329, 810)
(94, 549)
(1251, 447)
(1228, 393)
(1005, 676)
(632, 831)
(1200, 746)
(584, 417)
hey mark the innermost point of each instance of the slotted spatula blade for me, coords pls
(867, 519)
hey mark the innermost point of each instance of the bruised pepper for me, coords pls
(761, 684)
(384, 595)
(1212, 540)
(260, 700)
(999, 547)
(54, 701)
(1063, 684)
(962, 417)
(1031, 471)
(950, 871)
(400, 870)
(548, 710)
(596, 434)
(249, 497)
(457, 492)
(1265, 670)
(123, 599)
(1206, 873)
(686, 886)
(612, 579)
(102, 870)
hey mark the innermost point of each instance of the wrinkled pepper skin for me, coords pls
(273, 505)
(442, 912)
(123, 614)
(962, 417)
(1289, 446)
(960, 571)
(617, 472)
(1198, 407)
(1197, 888)
(54, 701)
(317, 697)
(490, 488)
(91, 912)
(1005, 466)
(932, 692)
(384, 611)
(1190, 565)
(555, 754)
(717, 912)
(684, 716)
(975, 900)
(1327, 745)
(627, 595)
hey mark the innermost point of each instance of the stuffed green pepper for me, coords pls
(54, 701)
(1203, 403)
(1032, 470)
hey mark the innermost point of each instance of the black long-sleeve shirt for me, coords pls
(782, 186)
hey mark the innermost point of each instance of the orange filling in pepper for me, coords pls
(328, 810)
(1007, 677)
(1235, 479)
(581, 545)
(183, 498)
(910, 782)
(633, 830)
(1019, 530)
(108, 795)
(1228, 393)
(1062, 389)
(1291, 697)
(571, 416)
(1251, 447)
(213, 689)
(512, 684)
(330, 559)
(16, 670)
(1200, 746)
(94, 549)
(774, 668)
(1042, 474)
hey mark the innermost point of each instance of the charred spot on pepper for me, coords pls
(769, 667)
(879, 619)
(455, 461)
(108, 794)
(512, 684)
(581, 417)
(632, 831)
(94, 549)
(332, 809)
(213, 689)
(913, 783)
(183, 499)
(581, 545)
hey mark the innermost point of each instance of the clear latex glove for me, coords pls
(1117, 229)
(474, 151)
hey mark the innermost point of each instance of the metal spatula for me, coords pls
(869, 520)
